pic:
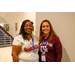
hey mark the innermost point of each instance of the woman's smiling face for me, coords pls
(28, 28)
(45, 28)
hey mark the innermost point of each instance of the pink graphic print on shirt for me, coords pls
(31, 48)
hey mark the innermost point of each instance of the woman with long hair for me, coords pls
(50, 45)
(25, 45)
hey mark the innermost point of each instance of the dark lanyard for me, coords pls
(45, 43)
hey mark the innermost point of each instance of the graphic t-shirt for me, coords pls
(53, 50)
(27, 54)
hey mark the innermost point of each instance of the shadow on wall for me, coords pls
(65, 57)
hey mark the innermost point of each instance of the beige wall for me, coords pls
(17, 17)
(63, 24)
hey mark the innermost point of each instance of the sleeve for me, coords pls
(17, 41)
(58, 50)
(36, 39)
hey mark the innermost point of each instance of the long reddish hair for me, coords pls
(51, 33)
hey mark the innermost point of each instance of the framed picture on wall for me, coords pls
(16, 26)
(6, 27)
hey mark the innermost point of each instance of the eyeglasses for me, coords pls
(28, 25)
